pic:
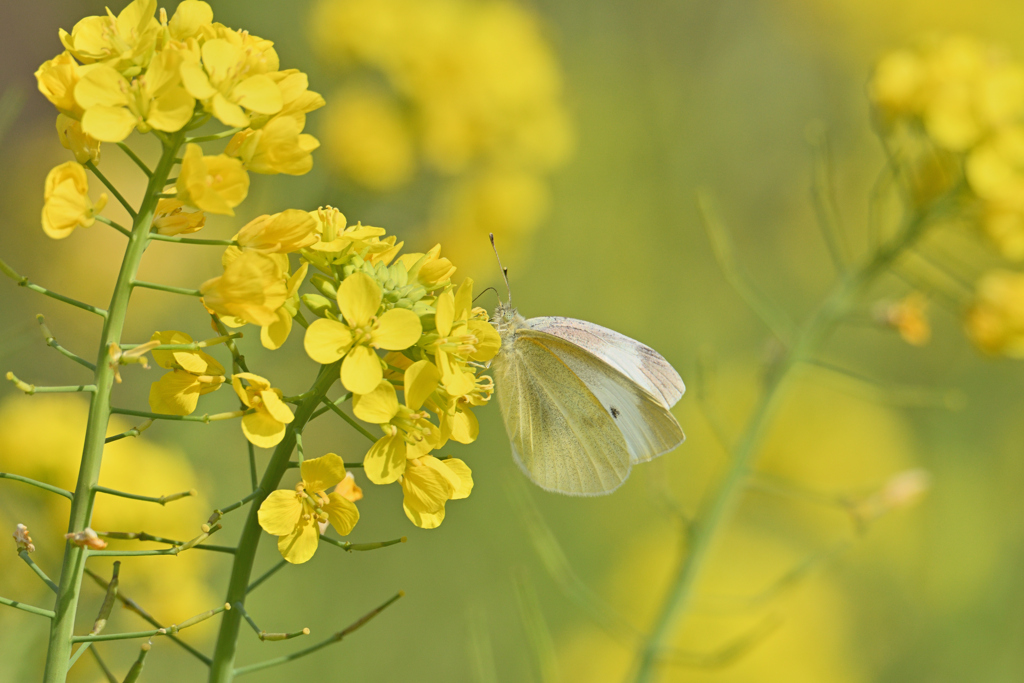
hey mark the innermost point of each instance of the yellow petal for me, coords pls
(359, 298)
(445, 313)
(227, 112)
(425, 488)
(320, 474)
(176, 393)
(171, 111)
(196, 82)
(108, 124)
(422, 519)
(101, 86)
(464, 475)
(189, 18)
(277, 408)
(464, 299)
(421, 379)
(488, 341)
(361, 371)
(279, 513)
(327, 340)
(259, 94)
(262, 430)
(342, 513)
(398, 329)
(464, 425)
(300, 545)
(385, 461)
(274, 336)
(377, 406)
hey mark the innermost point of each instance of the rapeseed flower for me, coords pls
(66, 201)
(170, 218)
(293, 516)
(359, 300)
(429, 483)
(252, 288)
(193, 373)
(215, 184)
(229, 78)
(125, 42)
(995, 322)
(280, 233)
(265, 426)
(278, 147)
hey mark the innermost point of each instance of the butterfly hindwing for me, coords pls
(562, 436)
(646, 425)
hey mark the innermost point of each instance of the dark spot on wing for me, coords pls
(614, 411)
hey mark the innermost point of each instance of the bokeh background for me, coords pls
(578, 132)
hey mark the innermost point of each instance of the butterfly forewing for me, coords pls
(562, 436)
(646, 425)
(640, 363)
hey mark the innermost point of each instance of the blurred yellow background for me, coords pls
(578, 132)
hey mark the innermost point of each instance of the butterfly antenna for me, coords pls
(504, 270)
(489, 289)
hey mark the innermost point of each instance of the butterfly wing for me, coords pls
(647, 426)
(562, 436)
(640, 363)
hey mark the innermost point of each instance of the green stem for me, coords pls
(134, 157)
(24, 282)
(216, 136)
(116, 226)
(31, 609)
(270, 572)
(124, 202)
(70, 584)
(222, 667)
(161, 500)
(52, 343)
(23, 554)
(38, 484)
(344, 416)
(847, 293)
(167, 288)
(205, 419)
(194, 240)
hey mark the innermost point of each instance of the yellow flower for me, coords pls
(57, 78)
(85, 147)
(224, 82)
(336, 237)
(995, 169)
(1004, 225)
(278, 147)
(995, 323)
(216, 184)
(909, 318)
(266, 426)
(193, 373)
(126, 42)
(293, 516)
(408, 433)
(296, 97)
(359, 299)
(428, 484)
(897, 83)
(281, 233)
(368, 140)
(429, 270)
(252, 288)
(114, 106)
(274, 335)
(171, 219)
(66, 201)
(461, 337)
(190, 19)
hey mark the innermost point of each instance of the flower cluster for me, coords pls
(141, 72)
(467, 90)
(952, 113)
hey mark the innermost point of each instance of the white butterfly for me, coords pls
(582, 404)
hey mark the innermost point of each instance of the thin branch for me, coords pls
(270, 572)
(161, 500)
(150, 538)
(52, 343)
(33, 389)
(173, 550)
(349, 547)
(113, 190)
(263, 635)
(38, 484)
(26, 608)
(205, 419)
(78, 654)
(134, 157)
(344, 416)
(722, 245)
(134, 431)
(134, 607)
(24, 282)
(823, 196)
(336, 638)
(108, 600)
(169, 630)
(220, 512)
(166, 288)
(193, 346)
(23, 554)
(103, 666)
(211, 138)
(156, 237)
(115, 225)
(320, 411)
(136, 670)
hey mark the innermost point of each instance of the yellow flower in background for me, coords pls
(293, 516)
(193, 374)
(215, 184)
(125, 42)
(224, 84)
(909, 317)
(170, 218)
(995, 169)
(281, 233)
(266, 426)
(66, 201)
(191, 18)
(278, 147)
(359, 299)
(429, 483)
(114, 106)
(408, 432)
(252, 288)
(995, 322)
(1004, 225)
(366, 139)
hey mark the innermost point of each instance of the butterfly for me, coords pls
(581, 403)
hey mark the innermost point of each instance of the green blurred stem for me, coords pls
(222, 667)
(26, 608)
(23, 554)
(344, 416)
(116, 226)
(270, 572)
(134, 157)
(337, 637)
(70, 585)
(124, 202)
(848, 292)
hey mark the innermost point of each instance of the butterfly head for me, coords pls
(507, 319)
